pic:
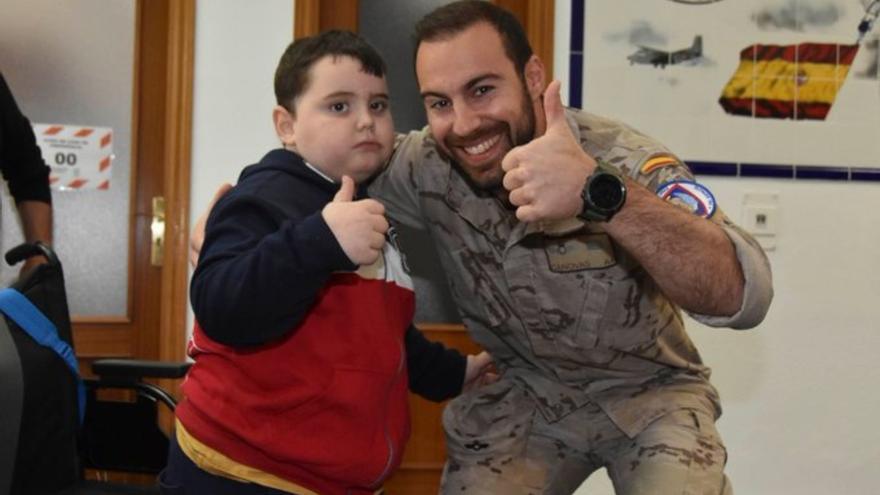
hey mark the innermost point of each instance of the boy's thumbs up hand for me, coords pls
(359, 226)
(346, 190)
(546, 176)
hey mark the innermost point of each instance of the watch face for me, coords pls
(606, 191)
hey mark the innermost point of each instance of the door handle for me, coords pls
(157, 229)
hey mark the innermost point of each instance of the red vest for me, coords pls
(325, 406)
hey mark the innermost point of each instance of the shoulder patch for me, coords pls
(657, 161)
(688, 194)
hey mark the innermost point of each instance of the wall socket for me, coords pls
(761, 218)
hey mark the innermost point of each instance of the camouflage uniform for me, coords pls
(597, 367)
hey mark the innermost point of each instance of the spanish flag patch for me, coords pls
(656, 162)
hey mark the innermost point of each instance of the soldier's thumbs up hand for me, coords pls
(546, 176)
(359, 226)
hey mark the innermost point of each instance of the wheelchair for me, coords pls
(47, 444)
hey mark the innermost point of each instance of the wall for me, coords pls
(799, 392)
(237, 47)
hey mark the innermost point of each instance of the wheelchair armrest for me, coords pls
(138, 368)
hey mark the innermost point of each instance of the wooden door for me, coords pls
(153, 326)
(425, 454)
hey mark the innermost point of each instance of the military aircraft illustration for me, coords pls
(662, 58)
(872, 11)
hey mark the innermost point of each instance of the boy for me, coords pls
(304, 345)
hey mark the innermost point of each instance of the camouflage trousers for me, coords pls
(498, 442)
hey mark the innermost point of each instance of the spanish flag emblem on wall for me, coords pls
(788, 81)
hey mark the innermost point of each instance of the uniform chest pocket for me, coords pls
(572, 293)
(593, 296)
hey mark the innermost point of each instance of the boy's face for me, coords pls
(342, 123)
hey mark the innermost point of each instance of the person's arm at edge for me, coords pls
(36, 221)
(26, 172)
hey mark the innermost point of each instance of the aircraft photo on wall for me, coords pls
(662, 58)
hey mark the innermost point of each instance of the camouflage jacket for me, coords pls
(560, 306)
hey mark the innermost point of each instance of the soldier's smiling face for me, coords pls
(477, 105)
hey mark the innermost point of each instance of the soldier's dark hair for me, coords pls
(451, 19)
(293, 71)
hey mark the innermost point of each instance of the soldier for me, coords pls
(571, 241)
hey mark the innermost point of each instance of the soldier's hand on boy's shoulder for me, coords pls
(359, 226)
(480, 371)
(197, 237)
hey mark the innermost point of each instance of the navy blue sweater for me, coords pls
(268, 231)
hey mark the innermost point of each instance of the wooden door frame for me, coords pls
(312, 16)
(540, 15)
(154, 324)
(177, 165)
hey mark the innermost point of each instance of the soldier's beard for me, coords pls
(489, 176)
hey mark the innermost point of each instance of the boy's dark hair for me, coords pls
(292, 75)
(451, 19)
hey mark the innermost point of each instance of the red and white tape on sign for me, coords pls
(81, 157)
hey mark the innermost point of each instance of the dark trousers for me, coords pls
(182, 477)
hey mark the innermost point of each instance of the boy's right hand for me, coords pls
(480, 371)
(359, 226)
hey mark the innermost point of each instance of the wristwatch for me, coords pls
(603, 194)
